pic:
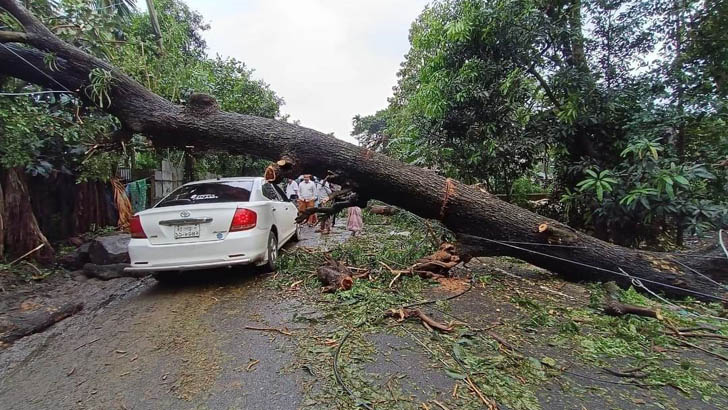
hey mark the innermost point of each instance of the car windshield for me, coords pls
(209, 192)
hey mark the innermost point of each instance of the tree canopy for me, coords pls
(616, 107)
(56, 132)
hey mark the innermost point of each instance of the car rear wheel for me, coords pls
(270, 264)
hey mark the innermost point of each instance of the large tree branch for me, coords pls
(13, 37)
(462, 208)
(335, 208)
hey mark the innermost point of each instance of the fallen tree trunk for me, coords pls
(487, 225)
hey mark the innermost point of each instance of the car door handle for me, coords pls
(273, 209)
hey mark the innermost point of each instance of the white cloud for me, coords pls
(329, 59)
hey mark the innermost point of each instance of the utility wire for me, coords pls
(701, 274)
(36, 68)
(604, 270)
(545, 244)
(637, 283)
(720, 240)
(32, 93)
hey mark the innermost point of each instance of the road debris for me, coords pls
(270, 329)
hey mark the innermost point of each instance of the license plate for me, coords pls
(186, 231)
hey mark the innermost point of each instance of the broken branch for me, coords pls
(335, 208)
(613, 307)
(403, 314)
(270, 329)
(26, 254)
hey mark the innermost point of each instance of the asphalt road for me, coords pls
(139, 344)
(147, 345)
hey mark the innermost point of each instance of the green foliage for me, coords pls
(460, 105)
(51, 133)
(486, 85)
(648, 191)
(598, 182)
(520, 190)
(371, 130)
(226, 165)
(99, 86)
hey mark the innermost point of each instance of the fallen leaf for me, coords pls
(548, 361)
(455, 375)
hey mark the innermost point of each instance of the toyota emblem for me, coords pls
(184, 214)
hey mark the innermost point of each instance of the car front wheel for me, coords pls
(297, 234)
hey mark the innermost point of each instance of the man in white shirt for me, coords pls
(292, 190)
(307, 194)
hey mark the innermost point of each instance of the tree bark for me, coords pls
(22, 233)
(383, 210)
(481, 219)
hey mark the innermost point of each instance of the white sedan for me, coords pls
(213, 223)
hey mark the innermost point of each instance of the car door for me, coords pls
(290, 209)
(280, 210)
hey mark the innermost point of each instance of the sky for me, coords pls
(328, 59)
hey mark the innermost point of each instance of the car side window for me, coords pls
(270, 192)
(282, 195)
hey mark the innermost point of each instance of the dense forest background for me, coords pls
(615, 108)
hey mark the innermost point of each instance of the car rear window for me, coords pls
(209, 192)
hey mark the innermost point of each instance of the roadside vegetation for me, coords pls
(615, 109)
(514, 339)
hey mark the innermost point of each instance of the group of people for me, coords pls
(310, 192)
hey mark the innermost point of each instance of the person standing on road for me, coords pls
(355, 222)
(307, 195)
(292, 190)
(323, 190)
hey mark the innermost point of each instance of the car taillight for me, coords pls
(243, 220)
(135, 227)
